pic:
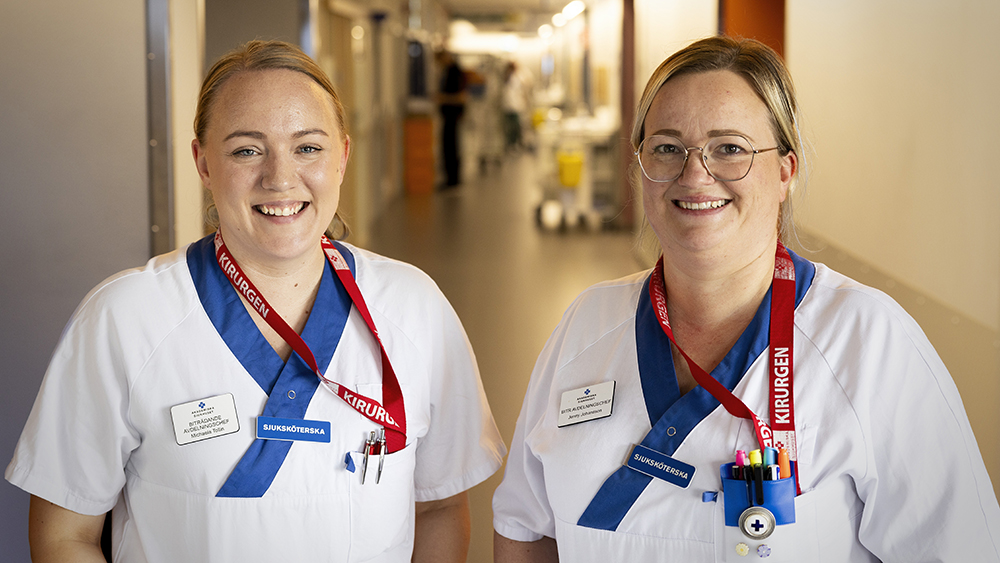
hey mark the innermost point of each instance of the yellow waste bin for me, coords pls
(570, 167)
(537, 118)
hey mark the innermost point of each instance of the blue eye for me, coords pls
(244, 152)
(310, 149)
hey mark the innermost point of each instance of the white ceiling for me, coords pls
(502, 6)
(505, 15)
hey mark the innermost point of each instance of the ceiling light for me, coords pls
(573, 9)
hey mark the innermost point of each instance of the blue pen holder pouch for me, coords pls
(779, 497)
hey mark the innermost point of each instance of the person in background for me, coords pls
(451, 98)
(267, 393)
(641, 412)
(514, 104)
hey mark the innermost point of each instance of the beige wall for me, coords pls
(187, 53)
(899, 105)
(899, 99)
(664, 26)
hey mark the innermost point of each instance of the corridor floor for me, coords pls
(509, 281)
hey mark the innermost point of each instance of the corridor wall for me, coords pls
(73, 173)
(899, 105)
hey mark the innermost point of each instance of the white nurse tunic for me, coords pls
(100, 434)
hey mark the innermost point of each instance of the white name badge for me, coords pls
(586, 403)
(204, 418)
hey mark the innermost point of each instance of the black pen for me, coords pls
(748, 477)
(757, 476)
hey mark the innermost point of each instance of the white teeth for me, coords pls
(281, 211)
(703, 205)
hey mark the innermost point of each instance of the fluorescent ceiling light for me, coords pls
(573, 9)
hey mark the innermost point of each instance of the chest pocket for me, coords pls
(382, 507)
(825, 529)
(381, 512)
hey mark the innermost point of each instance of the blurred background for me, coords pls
(899, 106)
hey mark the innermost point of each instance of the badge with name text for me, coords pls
(586, 403)
(293, 429)
(204, 418)
(661, 466)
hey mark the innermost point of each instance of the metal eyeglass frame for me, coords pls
(687, 152)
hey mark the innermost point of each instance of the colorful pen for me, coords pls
(784, 464)
(770, 456)
(741, 461)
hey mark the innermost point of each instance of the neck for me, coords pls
(279, 279)
(710, 303)
(707, 294)
(290, 287)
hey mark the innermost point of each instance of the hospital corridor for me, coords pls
(509, 280)
(489, 146)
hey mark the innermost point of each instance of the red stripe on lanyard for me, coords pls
(393, 415)
(781, 340)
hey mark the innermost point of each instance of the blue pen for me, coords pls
(770, 456)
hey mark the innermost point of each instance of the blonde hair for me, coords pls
(763, 70)
(260, 55)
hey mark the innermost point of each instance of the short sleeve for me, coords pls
(457, 442)
(521, 509)
(462, 446)
(78, 438)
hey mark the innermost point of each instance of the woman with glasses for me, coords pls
(737, 401)
(267, 393)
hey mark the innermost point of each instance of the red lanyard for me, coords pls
(781, 433)
(393, 415)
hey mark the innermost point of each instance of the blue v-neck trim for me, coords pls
(672, 416)
(233, 323)
(290, 385)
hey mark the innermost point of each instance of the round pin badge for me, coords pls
(757, 522)
(763, 550)
(742, 549)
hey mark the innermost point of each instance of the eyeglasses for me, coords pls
(727, 158)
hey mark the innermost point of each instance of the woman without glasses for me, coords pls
(232, 400)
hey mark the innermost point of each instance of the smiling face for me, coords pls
(696, 213)
(273, 157)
